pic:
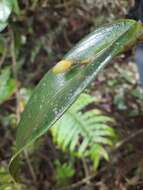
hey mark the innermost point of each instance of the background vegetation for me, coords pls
(36, 38)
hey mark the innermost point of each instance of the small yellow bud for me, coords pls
(62, 66)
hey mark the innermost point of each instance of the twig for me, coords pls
(3, 57)
(85, 167)
(128, 139)
(79, 183)
(13, 56)
(30, 166)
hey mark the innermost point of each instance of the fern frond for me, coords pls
(82, 102)
(84, 134)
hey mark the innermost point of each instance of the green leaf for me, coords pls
(5, 11)
(7, 85)
(6, 182)
(96, 152)
(63, 172)
(6, 7)
(56, 92)
(3, 25)
(15, 6)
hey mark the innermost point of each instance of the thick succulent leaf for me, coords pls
(56, 92)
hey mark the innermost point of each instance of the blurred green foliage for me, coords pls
(6, 182)
(7, 85)
(63, 172)
(6, 7)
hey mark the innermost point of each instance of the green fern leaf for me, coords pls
(84, 134)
